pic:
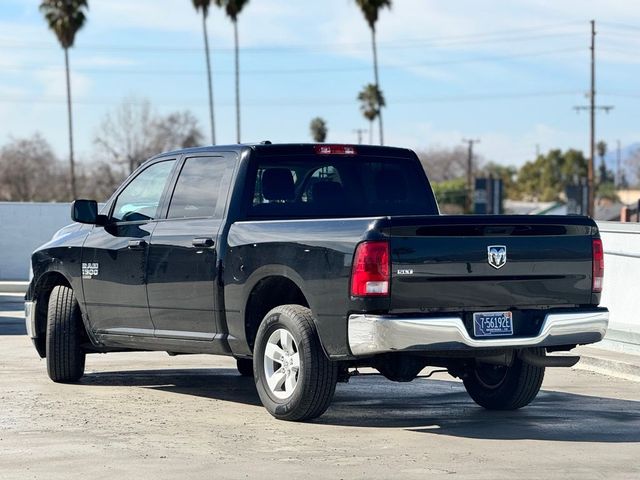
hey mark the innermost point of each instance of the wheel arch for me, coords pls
(42, 291)
(269, 292)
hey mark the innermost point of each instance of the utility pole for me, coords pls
(618, 157)
(470, 143)
(360, 132)
(592, 120)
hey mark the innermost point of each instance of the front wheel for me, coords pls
(294, 378)
(65, 358)
(499, 387)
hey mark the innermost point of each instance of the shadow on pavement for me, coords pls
(219, 383)
(435, 407)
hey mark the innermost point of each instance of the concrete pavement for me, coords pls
(148, 415)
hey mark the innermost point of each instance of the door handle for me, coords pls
(203, 242)
(136, 244)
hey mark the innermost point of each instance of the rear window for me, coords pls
(337, 186)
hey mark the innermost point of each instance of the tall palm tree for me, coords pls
(65, 18)
(370, 10)
(233, 9)
(371, 103)
(204, 6)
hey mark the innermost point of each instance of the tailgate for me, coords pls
(444, 262)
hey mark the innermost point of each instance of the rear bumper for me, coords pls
(373, 334)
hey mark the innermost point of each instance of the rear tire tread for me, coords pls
(519, 389)
(320, 370)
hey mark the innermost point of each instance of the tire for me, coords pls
(245, 367)
(65, 359)
(306, 378)
(497, 387)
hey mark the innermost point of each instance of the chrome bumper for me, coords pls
(371, 334)
(30, 318)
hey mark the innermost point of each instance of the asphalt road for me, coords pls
(148, 415)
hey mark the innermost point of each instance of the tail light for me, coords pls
(370, 273)
(598, 266)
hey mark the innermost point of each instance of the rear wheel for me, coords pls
(499, 387)
(294, 378)
(65, 358)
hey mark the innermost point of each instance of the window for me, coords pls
(140, 199)
(317, 186)
(198, 188)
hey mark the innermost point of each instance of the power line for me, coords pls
(288, 71)
(441, 41)
(295, 102)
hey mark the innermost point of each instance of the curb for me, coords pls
(14, 287)
(607, 362)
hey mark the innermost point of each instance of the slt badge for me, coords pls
(497, 255)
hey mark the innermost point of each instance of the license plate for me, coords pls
(492, 324)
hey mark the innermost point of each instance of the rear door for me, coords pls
(114, 257)
(183, 267)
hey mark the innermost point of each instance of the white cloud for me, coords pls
(53, 84)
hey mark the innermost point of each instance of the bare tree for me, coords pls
(29, 171)
(125, 134)
(445, 163)
(133, 132)
(98, 180)
(176, 130)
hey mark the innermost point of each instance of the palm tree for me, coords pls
(233, 9)
(204, 6)
(601, 148)
(371, 103)
(318, 129)
(65, 18)
(370, 10)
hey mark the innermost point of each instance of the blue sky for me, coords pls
(506, 72)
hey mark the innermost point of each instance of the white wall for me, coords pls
(23, 228)
(621, 292)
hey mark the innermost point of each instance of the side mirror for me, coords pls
(85, 211)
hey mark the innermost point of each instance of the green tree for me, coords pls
(233, 9)
(546, 178)
(318, 129)
(203, 5)
(371, 10)
(371, 103)
(507, 174)
(65, 18)
(451, 195)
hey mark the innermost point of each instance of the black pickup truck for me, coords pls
(305, 262)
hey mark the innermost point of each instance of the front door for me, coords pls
(114, 257)
(183, 267)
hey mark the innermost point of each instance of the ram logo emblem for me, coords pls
(497, 255)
